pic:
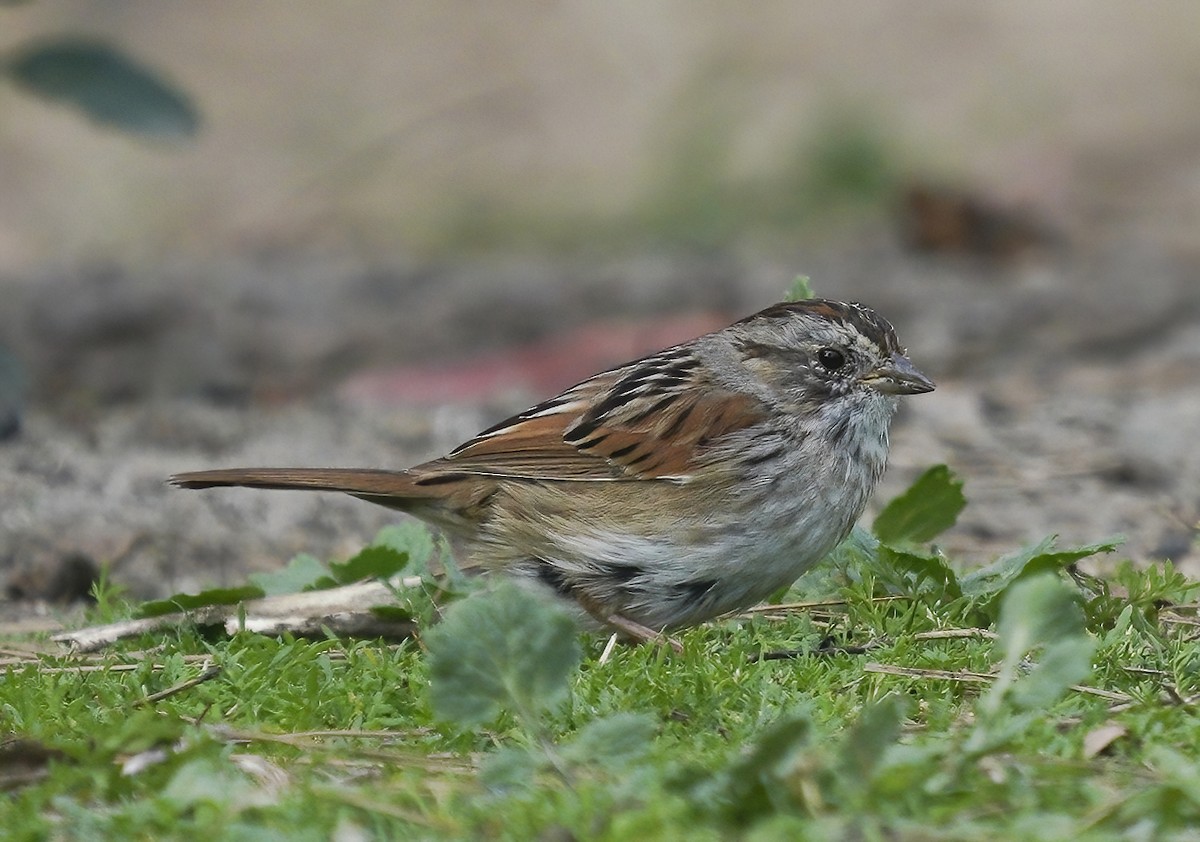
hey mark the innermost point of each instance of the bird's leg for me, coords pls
(623, 625)
(638, 632)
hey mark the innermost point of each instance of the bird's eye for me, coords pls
(831, 358)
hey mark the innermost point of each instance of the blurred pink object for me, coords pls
(541, 369)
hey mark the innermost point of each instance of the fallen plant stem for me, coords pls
(1178, 620)
(345, 611)
(306, 741)
(207, 674)
(982, 678)
(805, 606)
(941, 675)
(94, 663)
(952, 634)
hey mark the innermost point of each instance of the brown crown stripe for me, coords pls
(866, 320)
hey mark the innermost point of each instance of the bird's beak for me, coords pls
(897, 376)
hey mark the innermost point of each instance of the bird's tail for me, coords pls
(390, 488)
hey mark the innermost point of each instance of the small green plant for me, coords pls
(108, 597)
(506, 649)
(404, 548)
(1036, 612)
(852, 779)
(800, 290)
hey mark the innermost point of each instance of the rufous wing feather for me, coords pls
(648, 420)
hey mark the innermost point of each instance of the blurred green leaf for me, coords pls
(756, 782)
(190, 602)
(858, 548)
(503, 648)
(849, 160)
(1064, 663)
(930, 506)
(877, 728)
(608, 742)
(373, 562)
(139, 729)
(412, 538)
(392, 613)
(801, 289)
(303, 571)
(107, 86)
(1039, 610)
(1036, 610)
(207, 780)
(1177, 770)
(611, 740)
(509, 767)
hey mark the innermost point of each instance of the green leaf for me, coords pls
(139, 729)
(929, 507)
(756, 783)
(1064, 663)
(1039, 610)
(801, 289)
(1036, 610)
(1157, 585)
(504, 648)
(612, 740)
(392, 613)
(374, 562)
(412, 538)
(1042, 557)
(1120, 627)
(107, 86)
(510, 767)
(302, 572)
(919, 571)
(190, 602)
(217, 782)
(1177, 770)
(859, 548)
(877, 728)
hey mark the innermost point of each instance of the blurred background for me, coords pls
(313, 233)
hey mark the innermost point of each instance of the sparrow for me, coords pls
(673, 489)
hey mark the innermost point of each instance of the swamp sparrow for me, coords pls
(675, 488)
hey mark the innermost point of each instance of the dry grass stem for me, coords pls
(210, 672)
(806, 606)
(939, 675)
(952, 634)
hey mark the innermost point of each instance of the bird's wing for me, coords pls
(650, 419)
